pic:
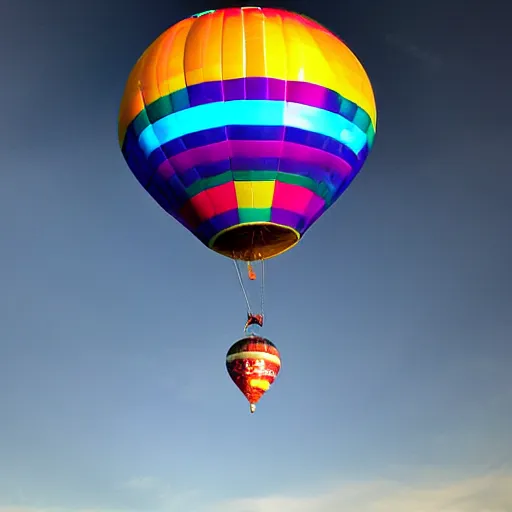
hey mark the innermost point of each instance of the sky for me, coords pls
(393, 315)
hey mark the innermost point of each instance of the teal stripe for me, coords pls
(252, 113)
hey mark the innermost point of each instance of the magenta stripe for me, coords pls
(252, 149)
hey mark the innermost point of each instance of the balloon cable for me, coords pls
(241, 281)
(262, 289)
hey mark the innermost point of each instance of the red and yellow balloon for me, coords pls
(253, 364)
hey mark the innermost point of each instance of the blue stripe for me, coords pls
(253, 113)
(144, 167)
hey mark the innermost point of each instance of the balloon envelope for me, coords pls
(253, 364)
(246, 125)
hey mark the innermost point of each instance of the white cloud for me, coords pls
(50, 509)
(16, 509)
(491, 493)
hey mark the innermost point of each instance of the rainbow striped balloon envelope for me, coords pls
(246, 125)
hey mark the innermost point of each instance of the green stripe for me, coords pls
(371, 136)
(255, 175)
(254, 214)
(203, 13)
(320, 189)
(206, 183)
(362, 120)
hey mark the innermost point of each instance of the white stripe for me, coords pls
(254, 355)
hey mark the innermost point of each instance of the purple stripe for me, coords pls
(208, 229)
(261, 88)
(241, 149)
(244, 133)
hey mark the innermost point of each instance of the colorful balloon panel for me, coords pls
(246, 125)
(253, 364)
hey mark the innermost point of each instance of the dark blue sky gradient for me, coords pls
(393, 315)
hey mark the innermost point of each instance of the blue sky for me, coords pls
(393, 315)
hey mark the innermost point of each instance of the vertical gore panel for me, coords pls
(233, 46)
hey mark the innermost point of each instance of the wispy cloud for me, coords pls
(52, 509)
(488, 493)
(492, 493)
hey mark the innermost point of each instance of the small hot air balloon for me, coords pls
(253, 364)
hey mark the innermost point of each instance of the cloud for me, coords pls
(492, 493)
(50, 509)
(488, 493)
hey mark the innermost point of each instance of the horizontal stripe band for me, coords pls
(253, 344)
(285, 157)
(251, 88)
(321, 189)
(266, 140)
(255, 113)
(171, 194)
(262, 197)
(254, 355)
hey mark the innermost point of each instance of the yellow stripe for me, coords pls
(260, 384)
(212, 49)
(233, 52)
(254, 194)
(254, 355)
(274, 38)
(195, 50)
(236, 43)
(254, 37)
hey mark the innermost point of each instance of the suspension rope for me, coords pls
(241, 281)
(262, 286)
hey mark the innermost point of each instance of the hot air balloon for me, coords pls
(246, 125)
(253, 364)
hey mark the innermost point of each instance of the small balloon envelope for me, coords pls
(253, 364)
